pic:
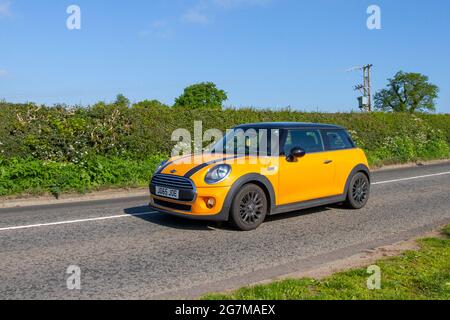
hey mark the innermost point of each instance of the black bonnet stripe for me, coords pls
(196, 169)
(169, 163)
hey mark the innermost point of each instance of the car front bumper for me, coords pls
(222, 216)
(196, 209)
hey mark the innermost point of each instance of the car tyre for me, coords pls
(249, 208)
(358, 191)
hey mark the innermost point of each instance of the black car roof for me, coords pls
(288, 125)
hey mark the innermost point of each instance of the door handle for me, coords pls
(327, 161)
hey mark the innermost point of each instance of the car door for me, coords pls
(306, 178)
(341, 149)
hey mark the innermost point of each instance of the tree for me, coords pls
(203, 95)
(407, 92)
(122, 101)
(149, 104)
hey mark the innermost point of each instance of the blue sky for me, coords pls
(264, 53)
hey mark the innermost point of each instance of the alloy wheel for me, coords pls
(360, 190)
(251, 207)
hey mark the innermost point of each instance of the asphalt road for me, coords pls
(126, 252)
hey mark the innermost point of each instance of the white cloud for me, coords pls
(5, 8)
(158, 24)
(3, 73)
(203, 10)
(239, 3)
(195, 16)
(158, 29)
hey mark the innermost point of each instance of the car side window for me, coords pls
(338, 140)
(308, 140)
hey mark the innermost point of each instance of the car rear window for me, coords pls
(337, 140)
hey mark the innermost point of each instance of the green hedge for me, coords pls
(37, 176)
(57, 148)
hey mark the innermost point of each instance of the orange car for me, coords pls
(264, 169)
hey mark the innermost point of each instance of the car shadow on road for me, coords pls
(167, 220)
(149, 215)
(299, 213)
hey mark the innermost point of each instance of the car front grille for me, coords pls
(185, 186)
(172, 181)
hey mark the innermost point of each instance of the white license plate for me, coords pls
(167, 192)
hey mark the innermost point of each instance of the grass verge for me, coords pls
(37, 177)
(414, 275)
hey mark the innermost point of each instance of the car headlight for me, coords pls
(218, 173)
(161, 165)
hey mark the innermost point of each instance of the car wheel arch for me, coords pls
(250, 178)
(359, 168)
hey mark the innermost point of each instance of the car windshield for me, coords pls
(251, 141)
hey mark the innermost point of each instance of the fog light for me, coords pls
(210, 203)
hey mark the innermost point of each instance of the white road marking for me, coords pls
(40, 225)
(76, 221)
(411, 178)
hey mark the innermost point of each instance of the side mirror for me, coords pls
(295, 154)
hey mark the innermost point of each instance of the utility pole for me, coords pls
(365, 102)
